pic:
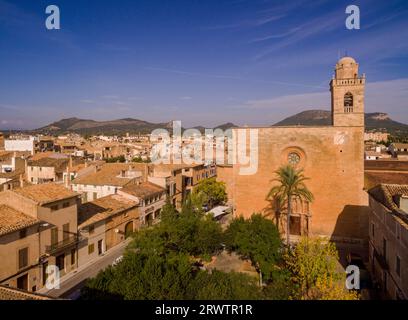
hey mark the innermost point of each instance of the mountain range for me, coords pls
(111, 127)
(373, 121)
(379, 121)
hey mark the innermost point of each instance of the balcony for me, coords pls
(61, 245)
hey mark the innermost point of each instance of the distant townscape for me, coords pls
(82, 203)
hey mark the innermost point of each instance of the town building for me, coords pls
(104, 223)
(107, 179)
(44, 232)
(150, 199)
(376, 136)
(399, 150)
(46, 170)
(169, 177)
(20, 143)
(388, 239)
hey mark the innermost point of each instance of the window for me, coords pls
(23, 233)
(60, 262)
(372, 229)
(54, 207)
(73, 257)
(398, 266)
(54, 236)
(65, 205)
(293, 158)
(22, 282)
(65, 231)
(91, 248)
(22, 258)
(348, 102)
(95, 195)
(91, 229)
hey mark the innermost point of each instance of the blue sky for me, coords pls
(202, 62)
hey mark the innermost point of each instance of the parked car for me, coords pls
(117, 261)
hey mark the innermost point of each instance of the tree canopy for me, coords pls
(165, 261)
(257, 239)
(210, 192)
(313, 264)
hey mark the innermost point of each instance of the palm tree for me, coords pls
(291, 185)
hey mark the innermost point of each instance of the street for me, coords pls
(72, 283)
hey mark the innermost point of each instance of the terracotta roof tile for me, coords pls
(8, 293)
(12, 220)
(102, 208)
(60, 165)
(143, 190)
(109, 175)
(45, 193)
(385, 193)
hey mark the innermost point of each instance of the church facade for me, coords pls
(332, 157)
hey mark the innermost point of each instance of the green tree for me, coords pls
(314, 266)
(290, 186)
(256, 239)
(139, 159)
(219, 285)
(210, 192)
(120, 159)
(187, 232)
(143, 276)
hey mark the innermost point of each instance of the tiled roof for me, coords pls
(7, 293)
(102, 208)
(374, 178)
(400, 145)
(48, 154)
(45, 193)
(143, 190)
(171, 167)
(13, 174)
(12, 220)
(60, 165)
(108, 175)
(384, 194)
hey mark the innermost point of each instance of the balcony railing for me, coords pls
(55, 247)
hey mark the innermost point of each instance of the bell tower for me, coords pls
(347, 94)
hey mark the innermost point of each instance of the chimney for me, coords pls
(402, 202)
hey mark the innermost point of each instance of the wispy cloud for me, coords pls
(186, 98)
(277, 36)
(110, 97)
(317, 26)
(394, 102)
(231, 77)
(89, 101)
